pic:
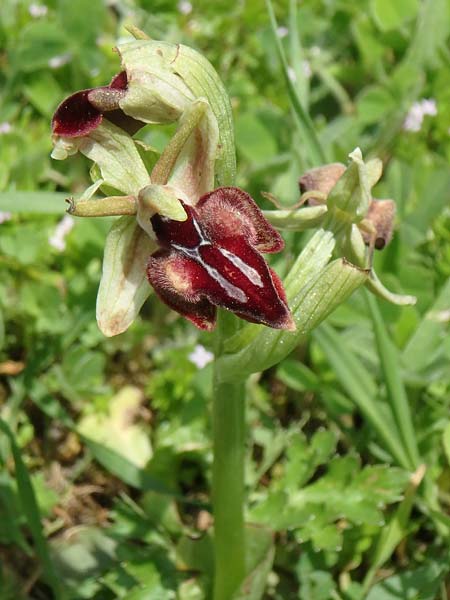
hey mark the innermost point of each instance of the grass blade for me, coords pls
(429, 336)
(395, 531)
(50, 203)
(313, 147)
(32, 514)
(396, 393)
(361, 389)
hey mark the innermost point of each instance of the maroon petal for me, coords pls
(229, 211)
(228, 272)
(119, 81)
(241, 281)
(76, 116)
(178, 282)
(83, 112)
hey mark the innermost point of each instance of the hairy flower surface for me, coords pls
(82, 112)
(213, 258)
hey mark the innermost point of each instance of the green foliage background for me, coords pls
(114, 434)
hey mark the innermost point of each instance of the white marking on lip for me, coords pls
(251, 273)
(231, 290)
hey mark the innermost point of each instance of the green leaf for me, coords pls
(51, 203)
(2, 329)
(82, 556)
(396, 530)
(297, 376)
(391, 15)
(396, 393)
(117, 429)
(260, 552)
(425, 346)
(361, 388)
(374, 103)
(254, 141)
(314, 151)
(419, 584)
(31, 510)
(122, 468)
(38, 43)
(446, 441)
(81, 21)
(433, 26)
(42, 92)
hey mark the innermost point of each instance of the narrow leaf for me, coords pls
(396, 393)
(31, 511)
(361, 389)
(51, 203)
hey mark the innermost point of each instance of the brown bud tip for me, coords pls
(322, 179)
(381, 216)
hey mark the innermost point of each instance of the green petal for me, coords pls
(193, 171)
(115, 153)
(124, 286)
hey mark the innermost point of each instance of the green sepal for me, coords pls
(164, 79)
(349, 199)
(374, 285)
(297, 219)
(123, 286)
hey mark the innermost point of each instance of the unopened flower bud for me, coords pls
(381, 216)
(321, 179)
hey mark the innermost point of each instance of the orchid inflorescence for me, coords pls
(184, 228)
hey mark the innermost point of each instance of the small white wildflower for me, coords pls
(315, 51)
(57, 239)
(291, 74)
(306, 68)
(282, 32)
(414, 118)
(429, 107)
(184, 7)
(200, 356)
(5, 127)
(37, 10)
(59, 61)
(5, 216)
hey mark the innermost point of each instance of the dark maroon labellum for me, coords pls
(82, 112)
(214, 259)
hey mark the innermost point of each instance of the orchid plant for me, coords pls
(185, 231)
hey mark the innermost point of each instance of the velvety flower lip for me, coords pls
(213, 259)
(82, 112)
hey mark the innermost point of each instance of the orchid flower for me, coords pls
(199, 247)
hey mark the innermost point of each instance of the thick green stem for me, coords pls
(228, 487)
(228, 482)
